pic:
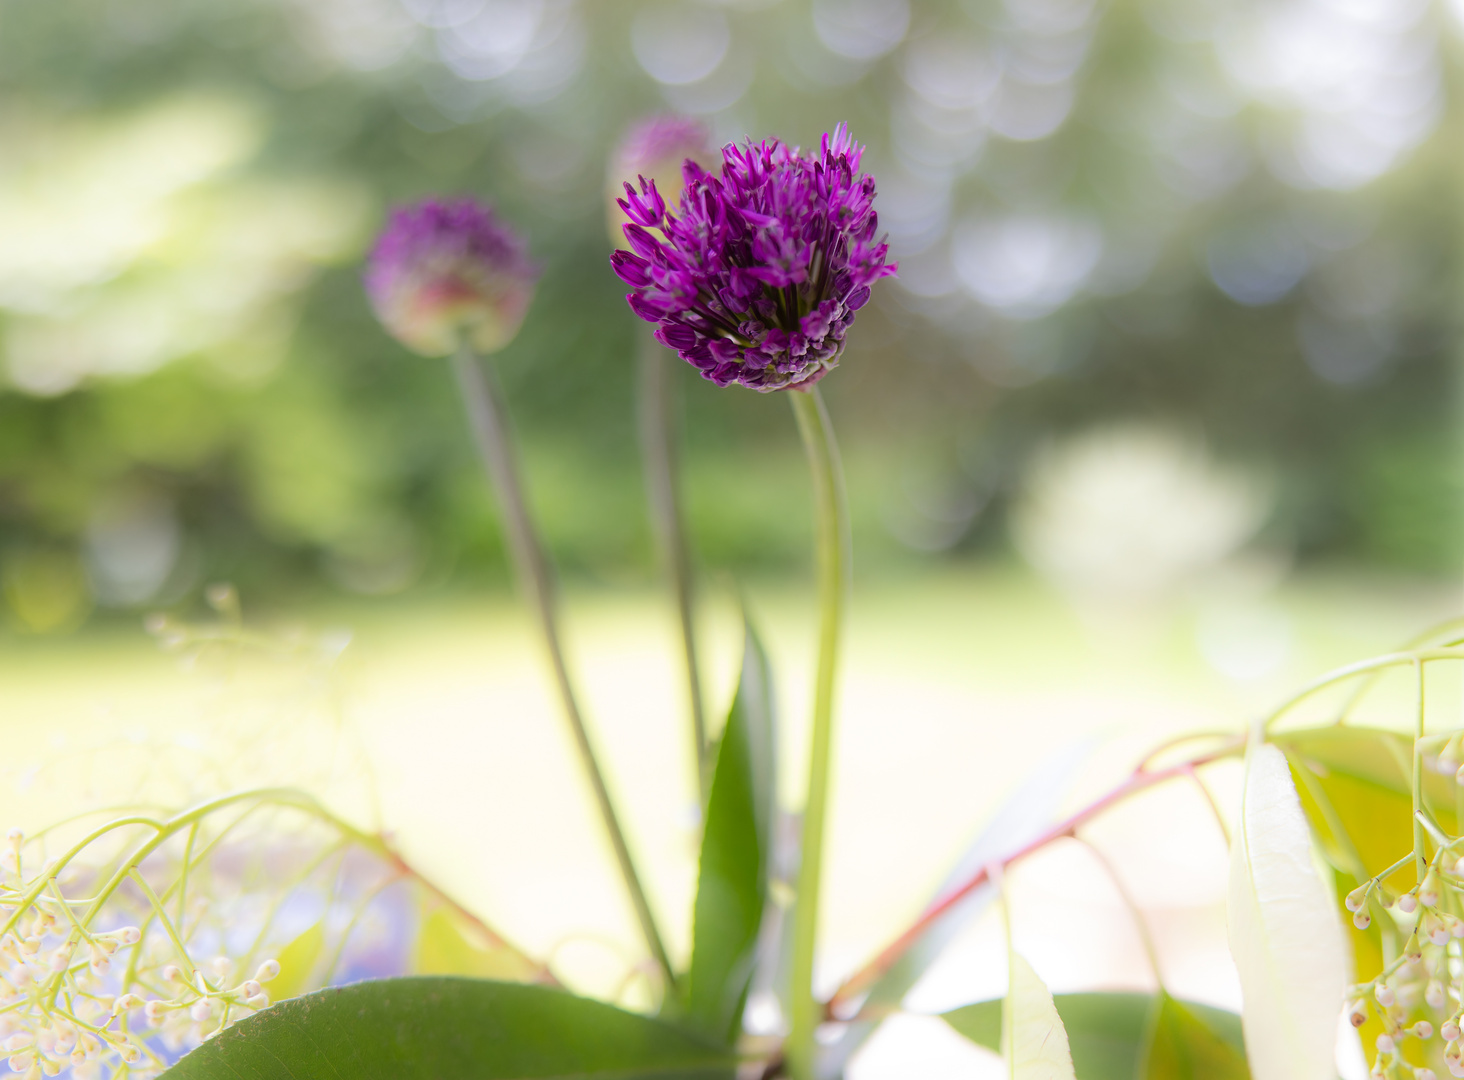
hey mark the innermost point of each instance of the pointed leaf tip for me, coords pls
(1035, 1041)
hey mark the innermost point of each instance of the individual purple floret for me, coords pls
(655, 147)
(757, 277)
(444, 272)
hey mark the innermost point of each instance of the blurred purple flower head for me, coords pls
(757, 277)
(447, 271)
(655, 147)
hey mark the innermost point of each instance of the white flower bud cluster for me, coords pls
(103, 1002)
(1420, 995)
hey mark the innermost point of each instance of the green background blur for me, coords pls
(1236, 223)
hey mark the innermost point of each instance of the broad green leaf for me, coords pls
(1284, 933)
(1182, 1046)
(450, 1029)
(1107, 1033)
(447, 945)
(736, 843)
(297, 962)
(1033, 1039)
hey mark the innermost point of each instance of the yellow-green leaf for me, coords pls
(297, 963)
(1184, 1047)
(448, 945)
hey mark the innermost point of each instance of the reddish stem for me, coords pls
(1139, 780)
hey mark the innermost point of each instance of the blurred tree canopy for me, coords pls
(1236, 217)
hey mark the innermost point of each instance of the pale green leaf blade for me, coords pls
(736, 843)
(450, 1029)
(1034, 1041)
(1285, 936)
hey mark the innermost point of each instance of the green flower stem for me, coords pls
(487, 416)
(657, 429)
(832, 544)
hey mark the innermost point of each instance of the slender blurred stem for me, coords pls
(1420, 853)
(487, 417)
(658, 449)
(832, 544)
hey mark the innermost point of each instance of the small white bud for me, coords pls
(1422, 1030)
(1456, 1066)
(1362, 920)
(258, 1001)
(15, 836)
(45, 1040)
(1439, 934)
(202, 1010)
(1435, 994)
(267, 971)
(130, 1053)
(128, 935)
(1356, 899)
(21, 1062)
(1450, 1030)
(61, 958)
(49, 1067)
(251, 988)
(153, 1010)
(16, 1043)
(1386, 1044)
(19, 975)
(1357, 1013)
(1424, 1074)
(1428, 892)
(1384, 993)
(222, 966)
(173, 973)
(125, 1003)
(1408, 903)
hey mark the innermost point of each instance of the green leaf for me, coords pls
(733, 883)
(448, 945)
(1107, 1033)
(1184, 1047)
(432, 1028)
(297, 962)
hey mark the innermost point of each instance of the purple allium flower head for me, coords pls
(757, 276)
(444, 271)
(655, 147)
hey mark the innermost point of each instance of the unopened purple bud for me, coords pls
(656, 149)
(448, 272)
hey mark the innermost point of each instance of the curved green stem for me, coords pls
(657, 427)
(488, 419)
(833, 548)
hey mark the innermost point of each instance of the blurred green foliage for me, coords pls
(195, 388)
